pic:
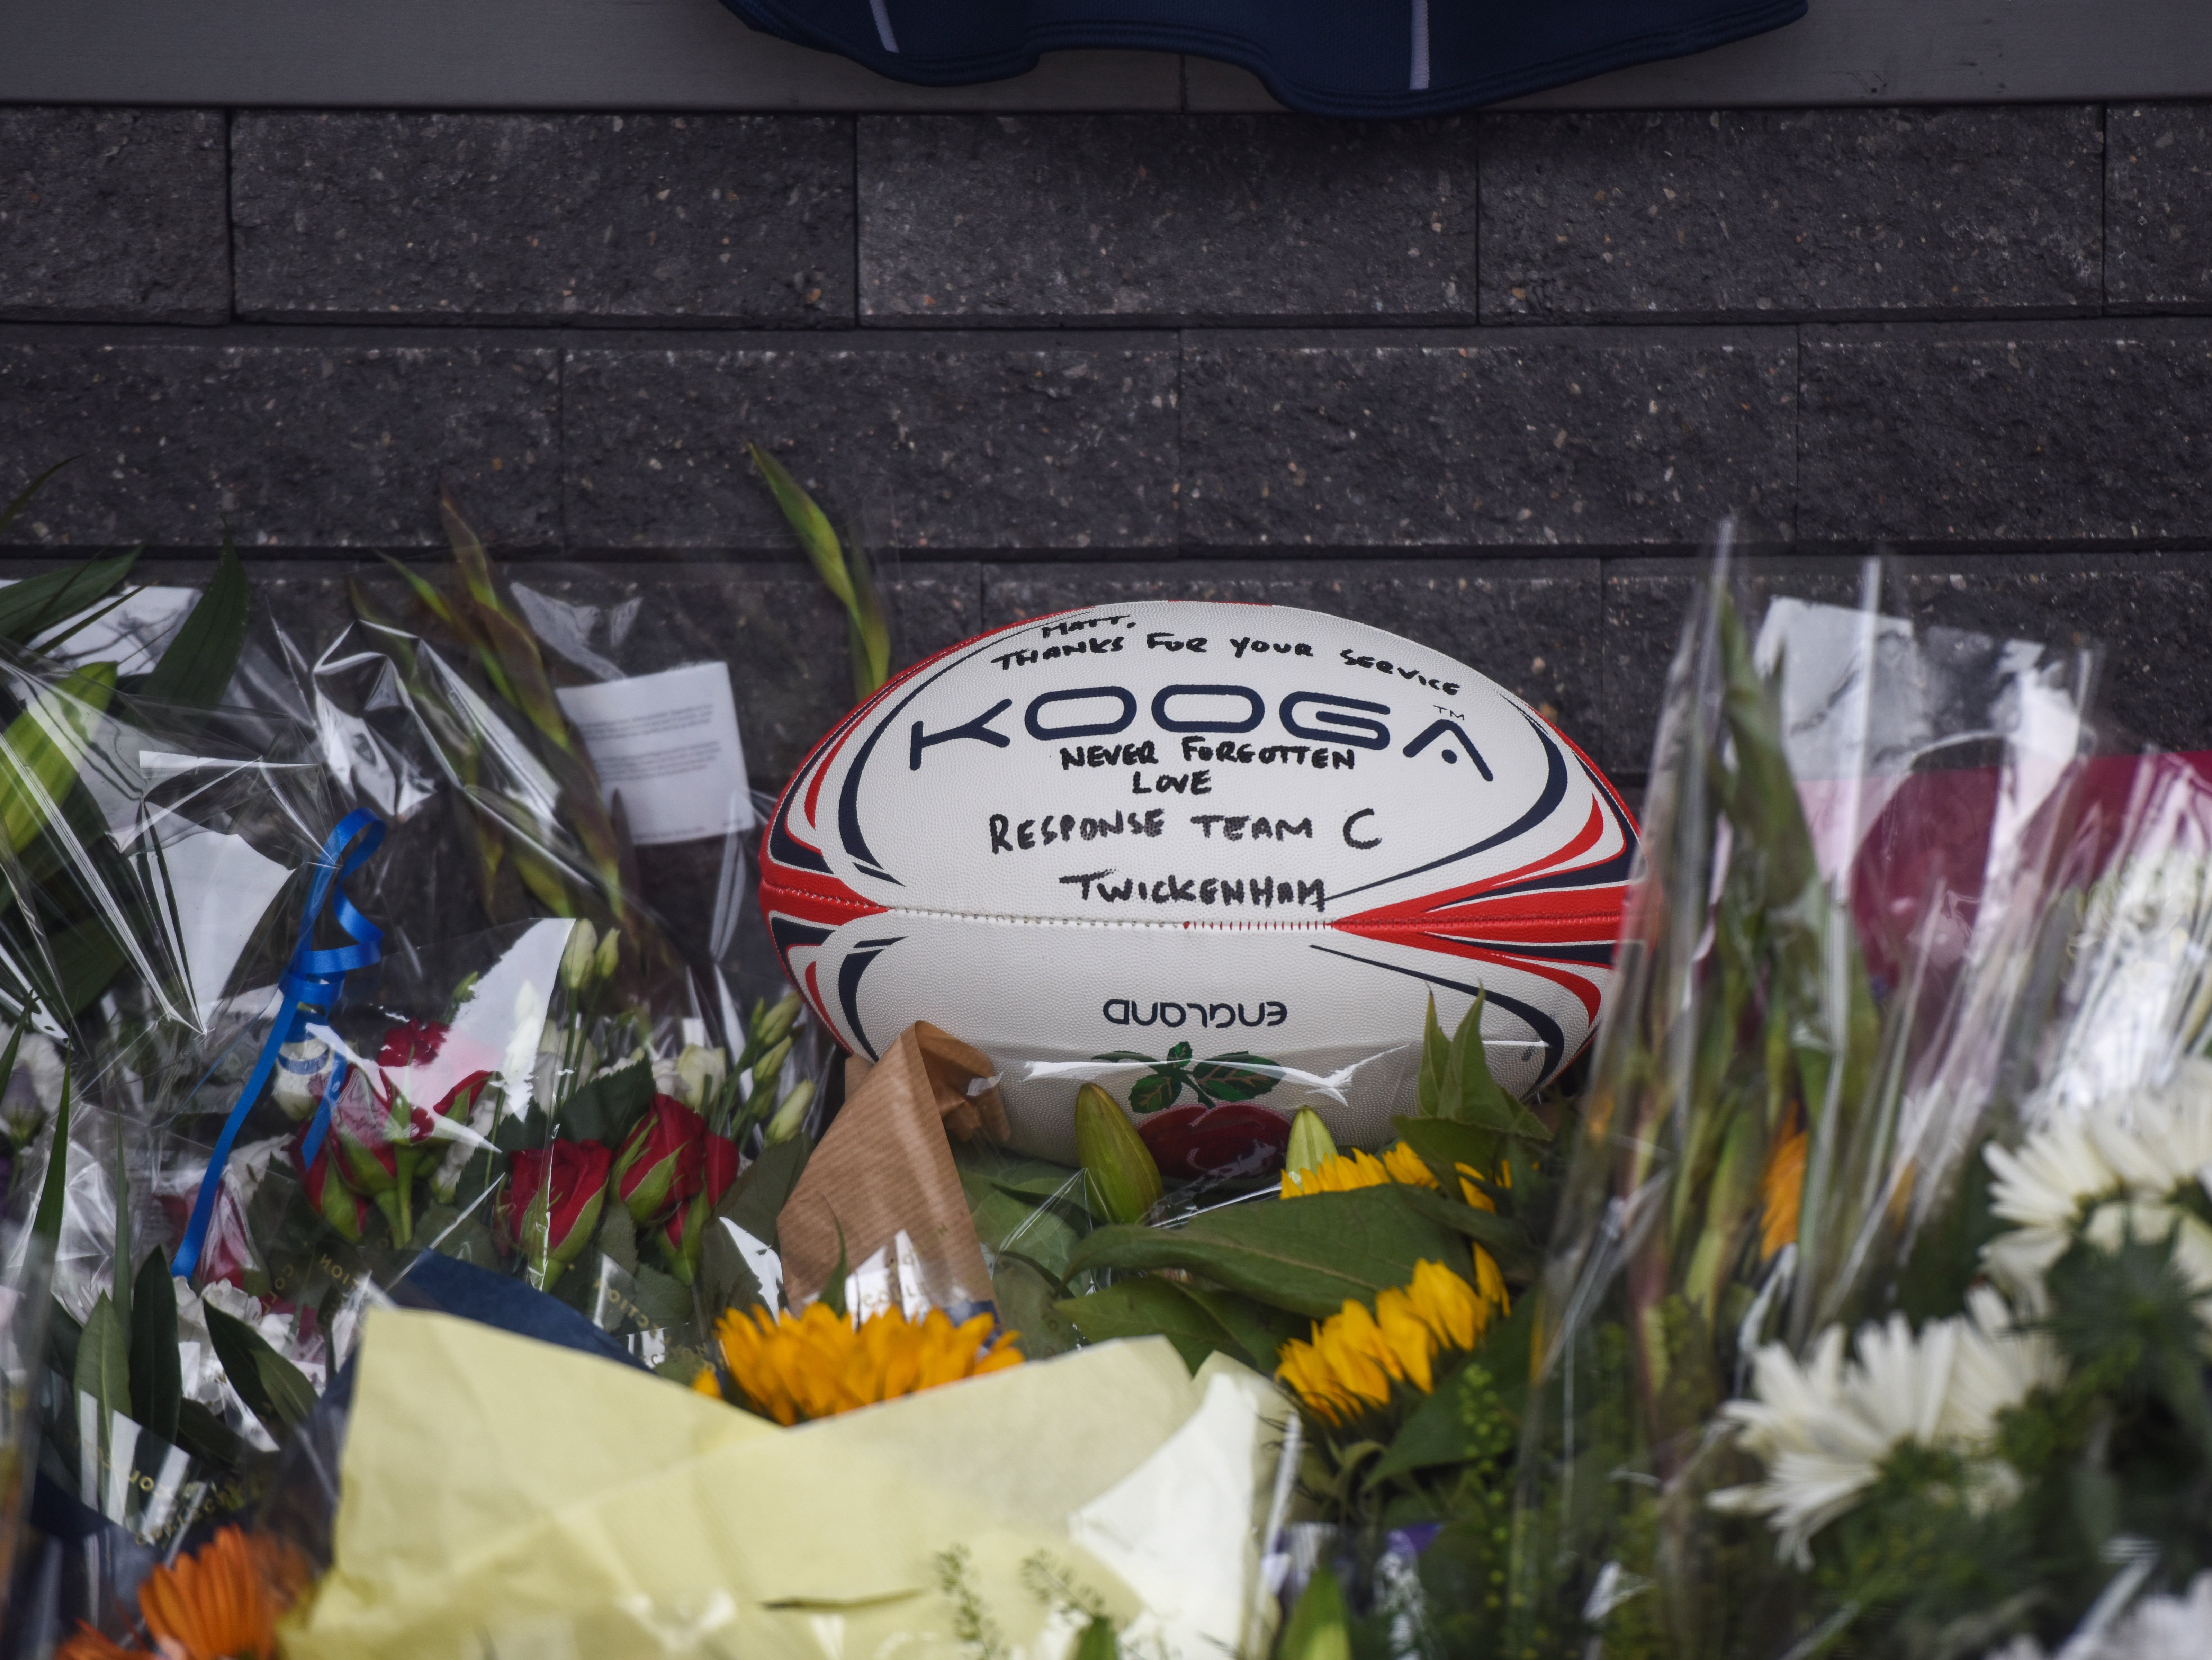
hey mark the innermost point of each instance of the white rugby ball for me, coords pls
(1270, 835)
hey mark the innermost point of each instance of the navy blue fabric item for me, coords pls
(450, 1285)
(1355, 57)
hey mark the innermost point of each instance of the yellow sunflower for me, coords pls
(1355, 1357)
(815, 1364)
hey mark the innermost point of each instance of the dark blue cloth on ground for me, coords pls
(450, 1285)
(1355, 57)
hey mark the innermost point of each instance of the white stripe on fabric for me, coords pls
(890, 41)
(1420, 81)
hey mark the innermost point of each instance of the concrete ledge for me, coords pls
(693, 55)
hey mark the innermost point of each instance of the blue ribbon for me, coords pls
(310, 986)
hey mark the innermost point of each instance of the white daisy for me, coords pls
(2149, 1147)
(1824, 1429)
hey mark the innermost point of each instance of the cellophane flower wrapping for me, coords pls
(1834, 977)
(151, 844)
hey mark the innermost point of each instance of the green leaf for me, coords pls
(63, 1336)
(604, 1109)
(1501, 1236)
(1147, 1307)
(618, 1237)
(724, 1280)
(757, 1197)
(30, 608)
(1179, 1052)
(1310, 1256)
(1156, 1091)
(103, 1359)
(661, 1298)
(43, 747)
(810, 524)
(1456, 1082)
(272, 1387)
(1027, 1296)
(1008, 1221)
(15, 1044)
(1260, 1331)
(199, 662)
(1319, 1627)
(203, 1435)
(1231, 1078)
(1472, 1415)
(157, 1376)
(52, 1194)
(119, 1258)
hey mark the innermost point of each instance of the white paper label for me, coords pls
(668, 744)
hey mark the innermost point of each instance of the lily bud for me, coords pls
(662, 1161)
(578, 962)
(1311, 1144)
(790, 1113)
(1123, 1181)
(609, 954)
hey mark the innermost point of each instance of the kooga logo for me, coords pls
(1122, 1012)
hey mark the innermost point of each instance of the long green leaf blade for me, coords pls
(157, 1376)
(43, 747)
(54, 1192)
(1151, 1307)
(34, 605)
(811, 525)
(199, 662)
(103, 1359)
(1310, 1256)
(273, 1387)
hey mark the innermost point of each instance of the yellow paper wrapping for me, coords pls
(501, 1498)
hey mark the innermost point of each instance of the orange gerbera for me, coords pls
(222, 1602)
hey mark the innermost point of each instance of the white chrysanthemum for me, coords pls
(2159, 1143)
(2165, 1141)
(1824, 1429)
(2157, 1628)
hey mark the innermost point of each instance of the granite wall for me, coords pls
(1488, 382)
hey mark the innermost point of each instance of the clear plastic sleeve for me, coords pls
(1871, 845)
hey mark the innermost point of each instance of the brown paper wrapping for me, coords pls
(886, 1165)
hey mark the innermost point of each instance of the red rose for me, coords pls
(663, 1161)
(721, 1167)
(1234, 1139)
(552, 1203)
(425, 1068)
